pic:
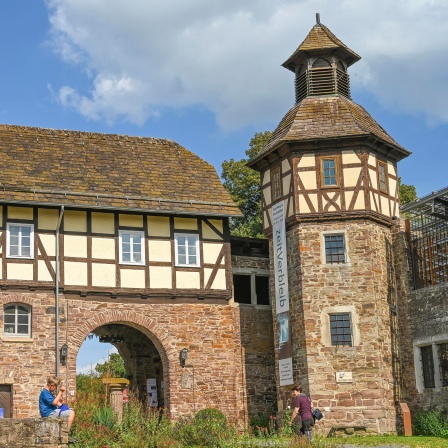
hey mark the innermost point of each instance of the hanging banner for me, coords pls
(282, 294)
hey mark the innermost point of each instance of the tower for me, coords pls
(332, 170)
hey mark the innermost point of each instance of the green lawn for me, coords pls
(390, 441)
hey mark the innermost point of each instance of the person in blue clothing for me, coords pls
(49, 403)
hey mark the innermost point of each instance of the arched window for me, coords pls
(17, 320)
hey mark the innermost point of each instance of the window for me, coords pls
(341, 329)
(382, 176)
(329, 172)
(132, 249)
(427, 366)
(443, 362)
(335, 249)
(20, 240)
(276, 184)
(187, 249)
(251, 289)
(17, 320)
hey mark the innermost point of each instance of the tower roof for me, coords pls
(330, 117)
(320, 40)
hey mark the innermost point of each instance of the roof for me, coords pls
(328, 117)
(321, 40)
(84, 169)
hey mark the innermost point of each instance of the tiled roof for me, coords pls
(320, 39)
(327, 117)
(72, 168)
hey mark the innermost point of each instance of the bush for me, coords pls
(207, 428)
(430, 423)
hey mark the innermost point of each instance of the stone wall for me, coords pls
(33, 433)
(209, 330)
(365, 289)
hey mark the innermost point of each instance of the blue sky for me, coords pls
(208, 74)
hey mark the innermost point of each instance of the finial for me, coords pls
(317, 18)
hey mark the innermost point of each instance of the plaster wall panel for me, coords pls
(391, 169)
(103, 274)
(372, 160)
(75, 246)
(186, 223)
(392, 187)
(308, 179)
(286, 166)
(349, 157)
(351, 176)
(159, 250)
(103, 248)
(303, 205)
(1, 215)
(159, 226)
(48, 219)
(360, 201)
(314, 201)
(187, 280)
(20, 213)
(265, 219)
(19, 271)
(132, 278)
(75, 273)
(348, 198)
(160, 277)
(49, 243)
(286, 184)
(291, 209)
(267, 195)
(374, 202)
(385, 206)
(211, 252)
(307, 160)
(373, 179)
(266, 177)
(43, 274)
(209, 233)
(103, 223)
(220, 279)
(75, 221)
(130, 220)
(1, 250)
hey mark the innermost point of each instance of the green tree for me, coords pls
(243, 184)
(90, 383)
(408, 193)
(113, 368)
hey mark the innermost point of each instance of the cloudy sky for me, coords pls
(207, 73)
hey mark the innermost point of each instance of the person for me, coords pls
(48, 402)
(302, 405)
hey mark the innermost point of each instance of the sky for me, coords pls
(207, 73)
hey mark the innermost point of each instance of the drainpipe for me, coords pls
(61, 214)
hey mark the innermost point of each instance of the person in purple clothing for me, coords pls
(302, 405)
(48, 402)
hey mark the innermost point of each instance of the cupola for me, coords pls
(320, 64)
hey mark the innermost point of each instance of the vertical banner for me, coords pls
(282, 294)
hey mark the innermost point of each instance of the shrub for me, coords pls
(430, 423)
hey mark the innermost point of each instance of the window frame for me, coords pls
(322, 172)
(428, 370)
(178, 235)
(381, 164)
(277, 190)
(132, 232)
(350, 327)
(20, 246)
(15, 334)
(253, 288)
(326, 234)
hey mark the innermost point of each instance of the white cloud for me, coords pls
(146, 55)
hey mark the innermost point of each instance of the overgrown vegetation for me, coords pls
(431, 423)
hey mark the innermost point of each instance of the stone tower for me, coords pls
(333, 170)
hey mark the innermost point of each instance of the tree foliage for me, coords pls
(113, 368)
(243, 184)
(408, 193)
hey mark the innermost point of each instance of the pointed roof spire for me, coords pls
(320, 41)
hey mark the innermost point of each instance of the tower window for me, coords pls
(132, 248)
(335, 249)
(382, 176)
(443, 362)
(427, 366)
(17, 320)
(341, 329)
(329, 172)
(20, 240)
(276, 184)
(251, 289)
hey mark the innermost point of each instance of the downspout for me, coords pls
(57, 289)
